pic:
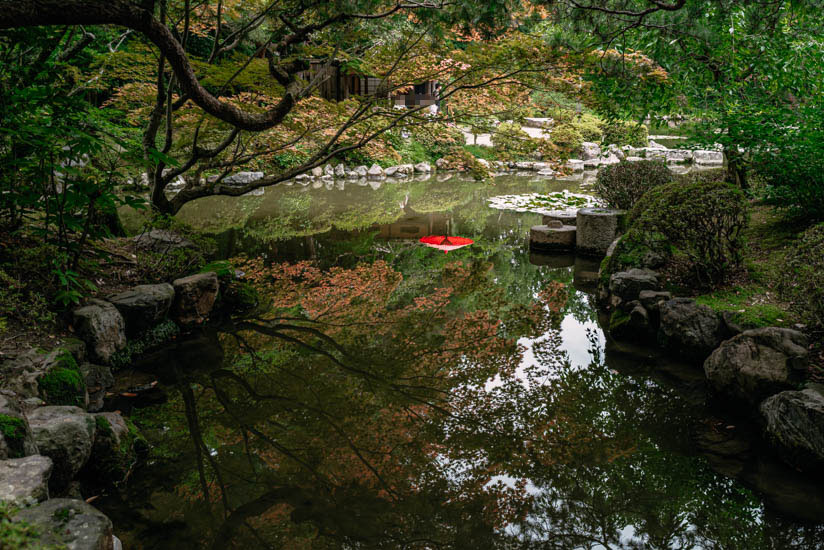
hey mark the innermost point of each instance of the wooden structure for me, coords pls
(337, 84)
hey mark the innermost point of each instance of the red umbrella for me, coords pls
(444, 243)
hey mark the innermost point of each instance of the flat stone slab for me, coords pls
(545, 237)
(69, 522)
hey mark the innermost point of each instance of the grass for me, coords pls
(481, 152)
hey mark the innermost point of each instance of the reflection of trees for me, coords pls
(357, 412)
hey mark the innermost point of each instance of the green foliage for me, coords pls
(64, 384)
(703, 221)
(156, 336)
(481, 152)
(567, 139)
(622, 185)
(621, 132)
(14, 433)
(463, 160)
(636, 248)
(589, 126)
(436, 139)
(167, 265)
(22, 302)
(803, 277)
(512, 142)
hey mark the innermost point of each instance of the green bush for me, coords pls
(622, 133)
(511, 141)
(464, 161)
(622, 185)
(566, 139)
(702, 221)
(803, 278)
(589, 126)
(436, 140)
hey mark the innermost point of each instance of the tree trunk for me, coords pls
(736, 167)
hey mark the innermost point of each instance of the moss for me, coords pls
(748, 307)
(14, 433)
(64, 384)
(618, 319)
(103, 425)
(20, 535)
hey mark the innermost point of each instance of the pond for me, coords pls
(394, 396)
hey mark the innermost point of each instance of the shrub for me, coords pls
(510, 140)
(566, 139)
(703, 221)
(436, 139)
(622, 132)
(464, 161)
(589, 126)
(622, 185)
(803, 278)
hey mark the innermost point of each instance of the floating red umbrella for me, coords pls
(445, 243)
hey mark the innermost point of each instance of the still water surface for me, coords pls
(393, 396)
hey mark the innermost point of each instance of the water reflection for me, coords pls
(389, 397)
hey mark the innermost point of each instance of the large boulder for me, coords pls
(423, 168)
(795, 421)
(52, 376)
(757, 363)
(195, 297)
(69, 523)
(590, 151)
(16, 438)
(627, 285)
(144, 306)
(102, 327)
(64, 434)
(243, 178)
(689, 329)
(25, 481)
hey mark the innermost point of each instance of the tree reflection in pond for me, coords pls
(368, 407)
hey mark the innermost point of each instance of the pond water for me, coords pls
(394, 396)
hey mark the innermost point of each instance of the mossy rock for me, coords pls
(14, 432)
(117, 447)
(636, 249)
(63, 384)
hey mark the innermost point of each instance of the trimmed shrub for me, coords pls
(803, 278)
(510, 140)
(589, 126)
(621, 132)
(622, 185)
(702, 221)
(566, 139)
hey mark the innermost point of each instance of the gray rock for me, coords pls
(406, 169)
(195, 297)
(16, 438)
(72, 523)
(423, 168)
(243, 178)
(590, 151)
(576, 165)
(558, 238)
(328, 170)
(25, 481)
(162, 241)
(795, 421)
(391, 171)
(101, 326)
(690, 329)
(362, 171)
(757, 363)
(597, 228)
(375, 172)
(627, 285)
(651, 299)
(99, 379)
(340, 171)
(64, 434)
(144, 306)
(317, 172)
